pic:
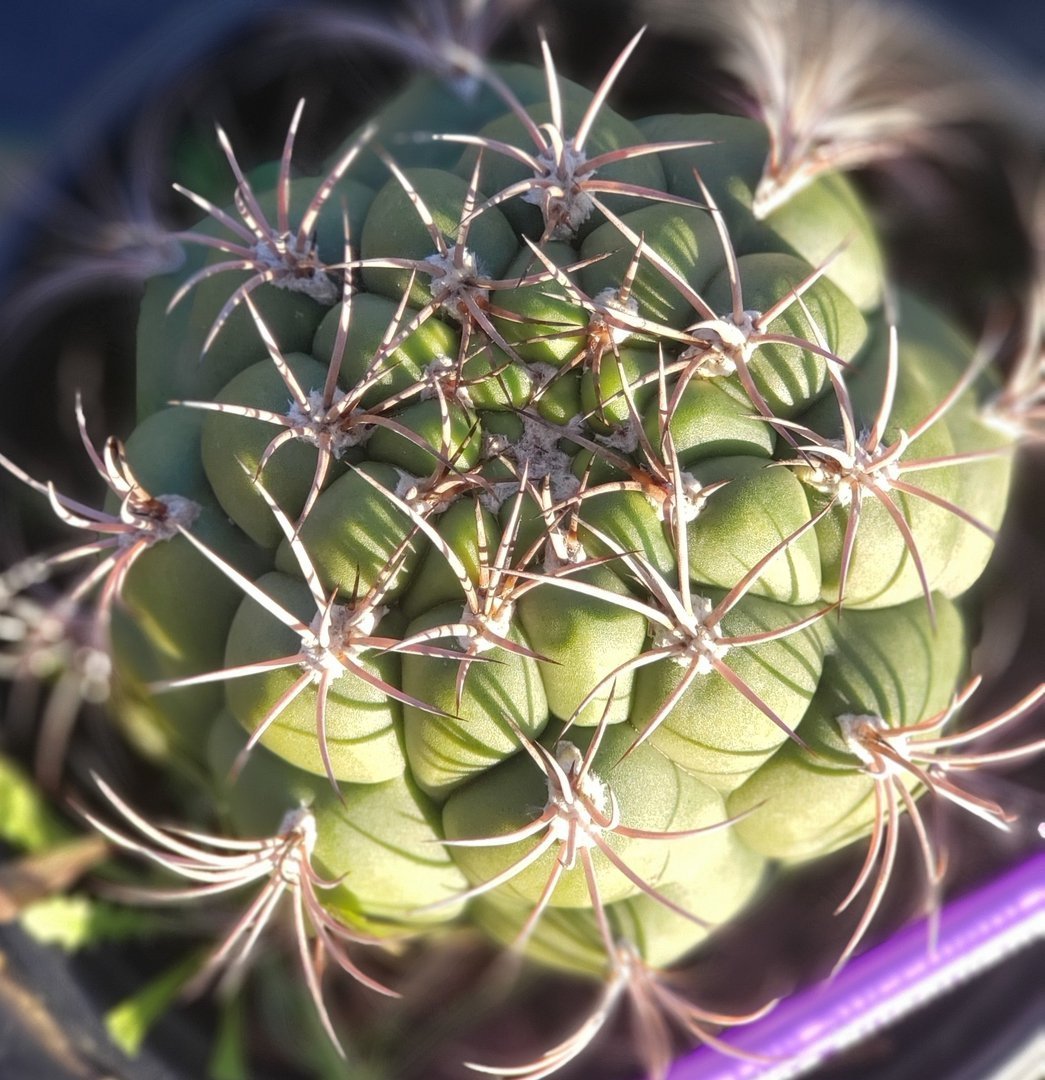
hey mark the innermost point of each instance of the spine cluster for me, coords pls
(546, 522)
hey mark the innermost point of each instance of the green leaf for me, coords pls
(26, 820)
(129, 1022)
(74, 922)
(228, 1060)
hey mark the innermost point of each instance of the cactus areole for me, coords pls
(520, 530)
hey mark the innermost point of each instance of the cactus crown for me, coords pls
(565, 530)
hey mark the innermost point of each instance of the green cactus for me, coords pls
(550, 532)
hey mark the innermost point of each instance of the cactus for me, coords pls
(545, 522)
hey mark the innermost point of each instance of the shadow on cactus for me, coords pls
(559, 537)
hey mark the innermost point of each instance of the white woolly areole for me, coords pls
(608, 302)
(421, 493)
(536, 450)
(687, 500)
(181, 513)
(456, 274)
(586, 788)
(344, 623)
(319, 425)
(859, 729)
(442, 370)
(407, 486)
(498, 623)
(494, 445)
(570, 760)
(708, 362)
(296, 269)
(690, 499)
(701, 643)
(821, 477)
(728, 340)
(565, 205)
(623, 437)
(837, 471)
(95, 669)
(560, 550)
(300, 820)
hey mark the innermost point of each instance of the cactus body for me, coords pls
(498, 628)
(568, 533)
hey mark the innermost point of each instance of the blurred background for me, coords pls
(69, 68)
(86, 101)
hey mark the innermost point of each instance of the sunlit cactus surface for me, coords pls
(542, 521)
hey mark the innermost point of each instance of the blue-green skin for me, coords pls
(501, 688)
(890, 664)
(363, 725)
(170, 344)
(953, 553)
(379, 842)
(158, 635)
(412, 776)
(651, 792)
